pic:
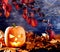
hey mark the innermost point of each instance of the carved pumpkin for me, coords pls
(15, 36)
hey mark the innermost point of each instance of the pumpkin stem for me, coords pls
(13, 24)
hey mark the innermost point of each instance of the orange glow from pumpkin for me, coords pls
(11, 36)
(15, 36)
(15, 43)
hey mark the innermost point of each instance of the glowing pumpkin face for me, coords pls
(15, 36)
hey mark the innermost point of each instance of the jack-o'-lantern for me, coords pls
(15, 36)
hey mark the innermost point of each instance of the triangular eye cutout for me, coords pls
(11, 36)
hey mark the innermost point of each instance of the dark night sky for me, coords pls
(51, 9)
